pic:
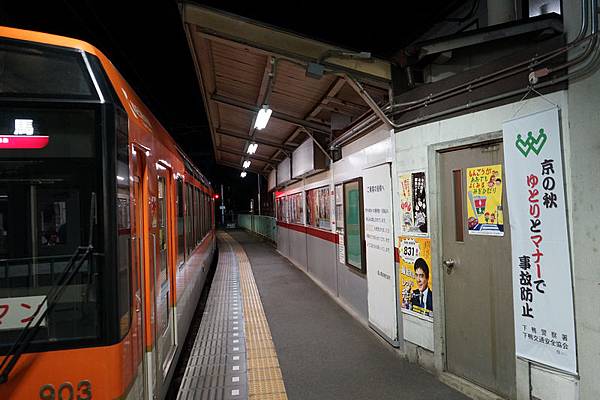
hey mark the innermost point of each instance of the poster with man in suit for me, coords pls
(415, 276)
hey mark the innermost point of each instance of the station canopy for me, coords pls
(244, 66)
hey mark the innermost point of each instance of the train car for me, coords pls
(106, 229)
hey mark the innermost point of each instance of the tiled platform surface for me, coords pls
(323, 352)
(309, 342)
(233, 356)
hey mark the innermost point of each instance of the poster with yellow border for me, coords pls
(415, 276)
(484, 200)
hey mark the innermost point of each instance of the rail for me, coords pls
(260, 224)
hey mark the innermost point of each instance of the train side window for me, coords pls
(204, 219)
(190, 220)
(123, 257)
(208, 208)
(201, 216)
(124, 269)
(209, 212)
(197, 221)
(180, 224)
(162, 222)
(194, 216)
(201, 203)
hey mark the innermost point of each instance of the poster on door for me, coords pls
(379, 244)
(415, 276)
(541, 263)
(413, 204)
(484, 200)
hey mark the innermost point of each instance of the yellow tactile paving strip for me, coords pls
(265, 381)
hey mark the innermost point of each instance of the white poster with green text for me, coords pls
(541, 265)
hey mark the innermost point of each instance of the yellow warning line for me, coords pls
(265, 381)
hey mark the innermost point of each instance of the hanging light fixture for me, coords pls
(252, 148)
(263, 117)
(246, 164)
(243, 174)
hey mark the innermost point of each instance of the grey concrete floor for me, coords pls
(324, 352)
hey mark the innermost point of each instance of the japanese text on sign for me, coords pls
(542, 285)
(17, 312)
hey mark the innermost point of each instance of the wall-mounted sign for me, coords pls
(416, 276)
(541, 264)
(16, 312)
(379, 239)
(341, 247)
(413, 204)
(484, 200)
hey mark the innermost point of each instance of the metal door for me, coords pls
(139, 239)
(164, 308)
(477, 283)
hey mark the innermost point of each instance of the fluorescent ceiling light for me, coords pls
(246, 163)
(252, 148)
(243, 174)
(263, 117)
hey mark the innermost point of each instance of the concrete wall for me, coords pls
(583, 170)
(414, 152)
(321, 256)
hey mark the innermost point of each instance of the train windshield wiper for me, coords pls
(81, 254)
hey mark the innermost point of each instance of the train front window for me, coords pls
(33, 71)
(49, 188)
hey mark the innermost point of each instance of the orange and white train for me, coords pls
(107, 230)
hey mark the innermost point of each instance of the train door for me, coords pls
(140, 201)
(478, 282)
(165, 327)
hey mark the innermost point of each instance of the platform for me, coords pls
(269, 332)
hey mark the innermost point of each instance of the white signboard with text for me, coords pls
(16, 312)
(379, 239)
(542, 287)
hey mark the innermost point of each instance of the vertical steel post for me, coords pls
(258, 183)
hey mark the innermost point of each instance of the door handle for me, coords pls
(449, 264)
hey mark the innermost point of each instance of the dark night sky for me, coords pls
(146, 41)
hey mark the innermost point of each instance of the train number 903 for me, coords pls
(66, 391)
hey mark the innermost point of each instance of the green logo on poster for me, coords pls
(531, 143)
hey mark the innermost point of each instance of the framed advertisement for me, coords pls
(354, 230)
(318, 208)
(415, 276)
(413, 204)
